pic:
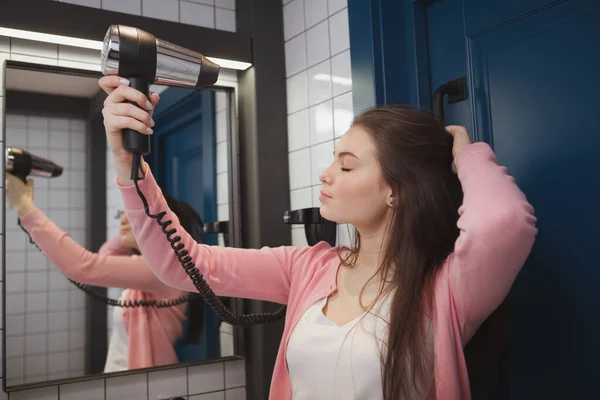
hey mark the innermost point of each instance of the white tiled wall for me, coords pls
(319, 96)
(45, 322)
(213, 381)
(215, 14)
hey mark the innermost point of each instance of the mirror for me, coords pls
(54, 330)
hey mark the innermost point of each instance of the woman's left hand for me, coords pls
(461, 139)
(19, 195)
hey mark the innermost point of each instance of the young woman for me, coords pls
(141, 336)
(436, 252)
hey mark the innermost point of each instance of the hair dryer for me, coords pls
(144, 59)
(22, 163)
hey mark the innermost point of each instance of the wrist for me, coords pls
(25, 208)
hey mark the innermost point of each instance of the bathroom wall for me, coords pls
(216, 14)
(319, 96)
(44, 312)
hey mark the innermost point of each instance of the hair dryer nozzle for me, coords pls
(22, 164)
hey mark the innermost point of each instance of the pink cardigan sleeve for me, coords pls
(81, 265)
(497, 232)
(113, 247)
(260, 274)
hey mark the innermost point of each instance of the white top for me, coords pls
(327, 361)
(118, 343)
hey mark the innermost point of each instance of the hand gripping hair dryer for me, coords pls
(144, 59)
(22, 164)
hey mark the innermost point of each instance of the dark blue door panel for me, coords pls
(484, 14)
(536, 100)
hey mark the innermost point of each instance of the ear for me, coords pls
(391, 199)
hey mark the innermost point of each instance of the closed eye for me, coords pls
(346, 169)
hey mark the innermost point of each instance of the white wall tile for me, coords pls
(225, 20)
(236, 394)
(229, 4)
(343, 114)
(221, 122)
(319, 83)
(298, 130)
(336, 5)
(36, 302)
(4, 44)
(124, 6)
(341, 73)
(293, 19)
(235, 374)
(15, 282)
(317, 40)
(57, 321)
(339, 32)
(295, 55)
(301, 198)
(222, 157)
(86, 3)
(299, 177)
(315, 11)
(299, 237)
(222, 189)
(36, 260)
(58, 341)
(321, 123)
(197, 14)
(316, 192)
(15, 346)
(15, 324)
(79, 54)
(297, 92)
(209, 396)
(165, 384)
(209, 2)
(58, 362)
(33, 48)
(35, 323)
(321, 157)
(15, 303)
(161, 9)
(90, 390)
(35, 365)
(37, 281)
(206, 378)
(36, 344)
(47, 393)
(127, 387)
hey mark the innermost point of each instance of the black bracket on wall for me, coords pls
(456, 90)
(316, 227)
(218, 227)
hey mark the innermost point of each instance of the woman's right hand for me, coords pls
(19, 196)
(119, 115)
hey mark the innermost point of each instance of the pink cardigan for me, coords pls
(497, 231)
(152, 332)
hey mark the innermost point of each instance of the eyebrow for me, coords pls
(345, 153)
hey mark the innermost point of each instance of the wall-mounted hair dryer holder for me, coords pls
(316, 227)
(218, 227)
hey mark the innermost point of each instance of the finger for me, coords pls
(111, 82)
(118, 123)
(456, 129)
(123, 93)
(130, 110)
(154, 98)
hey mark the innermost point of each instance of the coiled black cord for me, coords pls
(113, 302)
(188, 265)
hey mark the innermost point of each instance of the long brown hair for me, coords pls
(414, 152)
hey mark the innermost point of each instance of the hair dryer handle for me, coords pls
(133, 141)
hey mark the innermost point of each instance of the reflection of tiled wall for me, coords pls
(216, 14)
(45, 313)
(319, 95)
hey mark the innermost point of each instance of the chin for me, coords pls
(328, 215)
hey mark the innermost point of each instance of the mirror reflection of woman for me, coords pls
(442, 231)
(142, 336)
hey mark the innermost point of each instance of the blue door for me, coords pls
(183, 161)
(532, 68)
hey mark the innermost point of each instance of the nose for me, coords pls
(325, 177)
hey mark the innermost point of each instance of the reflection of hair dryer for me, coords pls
(144, 59)
(22, 163)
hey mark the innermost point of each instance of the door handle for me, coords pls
(456, 90)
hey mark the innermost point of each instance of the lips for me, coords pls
(325, 194)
